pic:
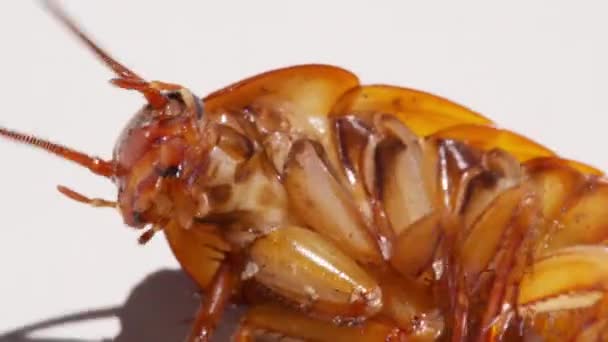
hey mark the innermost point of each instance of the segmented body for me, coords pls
(342, 212)
(392, 211)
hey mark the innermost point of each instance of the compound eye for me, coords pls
(189, 100)
(172, 171)
(198, 107)
(175, 95)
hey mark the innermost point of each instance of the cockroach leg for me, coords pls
(212, 308)
(148, 234)
(273, 320)
(76, 196)
(303, 266)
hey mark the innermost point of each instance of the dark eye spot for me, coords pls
(171, 171)
(175, 95)
(199, 108)
(138, 217)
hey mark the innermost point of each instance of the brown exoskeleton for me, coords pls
(343, 212)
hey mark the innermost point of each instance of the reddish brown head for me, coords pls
(153, 146)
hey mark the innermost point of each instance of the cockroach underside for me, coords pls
(337, 211)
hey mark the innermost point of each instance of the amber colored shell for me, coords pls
(444, 225)
(339, 211)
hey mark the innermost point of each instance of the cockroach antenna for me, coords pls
(96, 165)
(127, 79)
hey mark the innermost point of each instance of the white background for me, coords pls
(539, 68)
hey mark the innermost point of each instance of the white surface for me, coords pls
(540, 69)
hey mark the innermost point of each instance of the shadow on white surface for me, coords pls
(160, 308)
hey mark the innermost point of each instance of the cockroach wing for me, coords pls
(544, 164)
(488, 138)
(582, 167)
(422, 112)
(287, 102)
(524, 149)
(305, 93)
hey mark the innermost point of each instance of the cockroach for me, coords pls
(336, 211)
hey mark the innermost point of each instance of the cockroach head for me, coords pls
(154, 149)
(152, 146)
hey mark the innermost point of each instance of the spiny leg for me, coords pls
(274, 320)
(214, 305)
